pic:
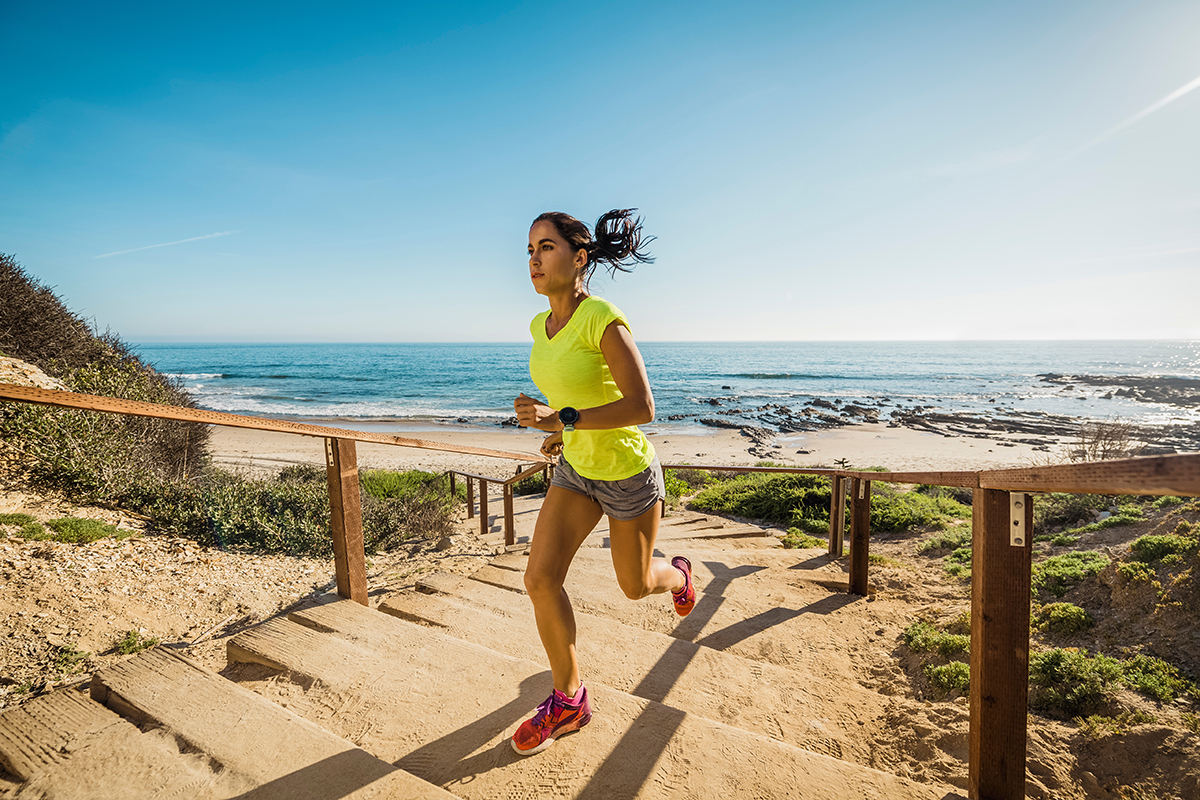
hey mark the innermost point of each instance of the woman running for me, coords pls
(585, 363)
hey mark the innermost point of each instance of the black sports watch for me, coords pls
(568, 417)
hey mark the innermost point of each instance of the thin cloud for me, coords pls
(1172, 97)
(168, 244)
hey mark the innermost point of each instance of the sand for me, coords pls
(865, 445)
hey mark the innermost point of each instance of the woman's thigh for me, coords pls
(632, 544)
(565, 520)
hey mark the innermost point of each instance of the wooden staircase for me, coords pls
(418, 697)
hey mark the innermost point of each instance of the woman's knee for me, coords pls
(635, 587)
(542, 583)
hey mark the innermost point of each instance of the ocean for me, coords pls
(474, 384)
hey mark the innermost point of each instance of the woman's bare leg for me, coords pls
(638, 572)
(564, 522)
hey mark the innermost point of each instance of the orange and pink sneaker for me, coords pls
(558, 715)
(685, 598)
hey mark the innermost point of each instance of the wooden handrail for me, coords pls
(1002, 543)
(137, 408)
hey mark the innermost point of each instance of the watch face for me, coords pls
(568, 416)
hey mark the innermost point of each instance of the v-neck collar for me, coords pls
(574, 314)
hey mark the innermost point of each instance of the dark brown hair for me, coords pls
(618, 242)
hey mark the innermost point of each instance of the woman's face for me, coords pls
(553, 267)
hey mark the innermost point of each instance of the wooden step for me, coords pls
(269, 749)
(68, 746)
(745, 623)
(816, 715)
(444, 709)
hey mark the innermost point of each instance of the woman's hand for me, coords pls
(552, 445)
(532, 414)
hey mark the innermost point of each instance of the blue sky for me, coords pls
(368, 172)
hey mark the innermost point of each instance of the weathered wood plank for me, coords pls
(837, 516)
(860, 534)
(37, 734)
(510, 526)
(283, 754)
(1000, 576)
(345, 510)
(90, 402)
(1154, 475)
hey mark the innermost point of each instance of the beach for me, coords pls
(862, 445)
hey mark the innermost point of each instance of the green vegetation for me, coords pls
(1155, 678)
(1059, 573)
(1134, 571)
(922, 637)
(1062, 619)
(25, 526)
(1070, 682)
(1191, 722)
(802, 501)
(1059, 510)
(1098, 726)
(134, 642)
(69, 658)
(74, 530)
(1126, 515)
(951, 539)
(1148, 549)
(16, 519)
(949, 677)
(798, 539)
(1073, 683)
(1168, 501)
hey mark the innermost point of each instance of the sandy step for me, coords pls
(726, 618)
(247, 739)
(66, 745)
(817, 715)
(444, 709)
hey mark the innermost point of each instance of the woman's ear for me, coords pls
(581, 258)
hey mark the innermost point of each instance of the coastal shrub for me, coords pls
(302, 473)
(950, 677)
(796, 538)
(1059, 573)
(699, 478)
(1134, 571)
(785, 499)
(1126, 515)
(1169, 501)
(1071, 683)
(894, 510)
(16, 519)
(951, 539)
(1062, 619)
(1191, 722)
(1155, 678)
(1059, 510)
(93, 456)
(959, 494)
(534, 484)
(1152, 548)
(1098, 726)
(675, 487)
(922, 637)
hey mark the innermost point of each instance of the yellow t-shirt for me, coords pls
(570, 370)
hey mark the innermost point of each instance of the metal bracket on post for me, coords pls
(328, 452)
(1017, 535)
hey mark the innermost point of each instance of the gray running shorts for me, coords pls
(624, 499)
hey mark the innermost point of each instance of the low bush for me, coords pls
(1148, 549)
(1059, 573)
(893, 510)
(1097, 726)
(1070, 682)
(950, 677)
(785, 499)
(922, 637)
(796, 538)
(952, 539)
(75, 530)
(1059, 510)
(1062, 619)
(1134, 571)
(1155, 678)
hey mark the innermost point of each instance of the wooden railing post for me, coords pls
(837, 515)
(510, 535)
(483, 511)
(470, 498)
(860, 534)
(453, 484)
(1000, 575)
(345, 518)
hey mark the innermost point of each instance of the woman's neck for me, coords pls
(562, 306)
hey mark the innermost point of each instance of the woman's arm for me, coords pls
(636, 406)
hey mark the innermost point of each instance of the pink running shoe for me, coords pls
(685, 598)
(558, 715)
